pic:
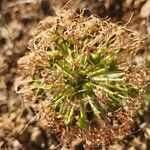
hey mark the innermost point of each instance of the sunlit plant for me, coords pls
(76, 68)
(83, 80)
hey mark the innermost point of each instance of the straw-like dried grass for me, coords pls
(76, 30)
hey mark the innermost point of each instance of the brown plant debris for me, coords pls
(83, 35)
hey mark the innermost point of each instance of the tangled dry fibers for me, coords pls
(76, 30)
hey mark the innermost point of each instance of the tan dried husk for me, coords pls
(118, 123)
